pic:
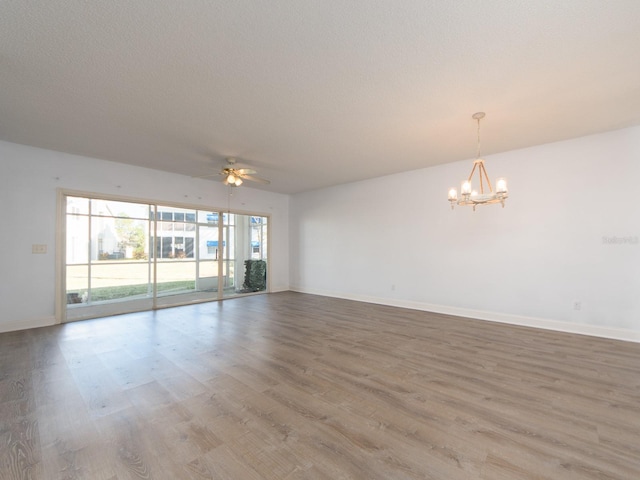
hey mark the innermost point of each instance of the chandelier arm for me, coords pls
(480, 171)
(487, 177)
(472, 171)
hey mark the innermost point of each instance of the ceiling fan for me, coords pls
(233, 174)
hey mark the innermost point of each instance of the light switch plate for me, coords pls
(38, 248)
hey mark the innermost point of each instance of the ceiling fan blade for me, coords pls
(246, 171)
(208, 175)
(263, 181)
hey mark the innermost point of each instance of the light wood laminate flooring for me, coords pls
(295, 386)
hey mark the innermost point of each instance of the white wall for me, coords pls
(528, 263)
(29, 179)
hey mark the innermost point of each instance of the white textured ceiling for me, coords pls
(317, 92)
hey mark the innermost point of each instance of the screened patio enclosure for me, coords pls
(124, 256)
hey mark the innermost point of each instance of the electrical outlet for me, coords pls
(577, 305)
(39, 248)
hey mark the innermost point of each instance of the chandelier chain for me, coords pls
(478, 147)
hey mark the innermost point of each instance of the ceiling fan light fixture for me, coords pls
(235, 175)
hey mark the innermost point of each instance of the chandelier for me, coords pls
(470, 196)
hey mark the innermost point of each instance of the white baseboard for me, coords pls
(26, 324)
(581, 329)
(279, 289)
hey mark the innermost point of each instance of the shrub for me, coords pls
(255, 276)
(139, 254)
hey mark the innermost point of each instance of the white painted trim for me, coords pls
(546, 324)
(61, 258)
(27, 324)
(168, 203)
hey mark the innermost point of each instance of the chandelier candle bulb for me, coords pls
(466, 188)
(453, 194)
(501, 185)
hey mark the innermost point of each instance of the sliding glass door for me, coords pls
(107, 261)
(129, 256)
(176, 257)
(245, 255)
(209, 251)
